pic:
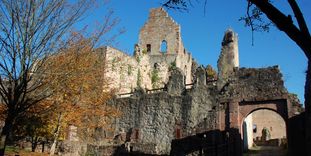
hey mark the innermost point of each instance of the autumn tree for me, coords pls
(299, 33)
(80, 88)
(30, 31)
(211, 74)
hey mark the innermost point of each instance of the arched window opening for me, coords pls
(164, 46)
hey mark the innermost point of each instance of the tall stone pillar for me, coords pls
(228, 59)
(234, 114)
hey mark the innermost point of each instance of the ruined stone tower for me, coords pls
(160, 38)
(159, 50)
(229, 57)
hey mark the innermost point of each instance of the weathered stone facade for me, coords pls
(149, 67)
(120, 70)
(168, 119)
(162, 29)
(158, 118)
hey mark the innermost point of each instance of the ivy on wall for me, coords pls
(155, 78)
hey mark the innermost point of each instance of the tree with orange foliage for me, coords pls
(30, 32)
(77, 76)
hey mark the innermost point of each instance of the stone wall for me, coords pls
(151, 120)
(159, 28)
(255, 84)
(270, 120)
(175, 113)
(248, 132)
(159, 118)
(148, 69)
(121, 70)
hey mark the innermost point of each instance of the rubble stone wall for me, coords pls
(159, 116)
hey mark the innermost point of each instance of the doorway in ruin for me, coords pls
(263, 129)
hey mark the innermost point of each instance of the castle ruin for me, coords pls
(159, 49)
(171, 107)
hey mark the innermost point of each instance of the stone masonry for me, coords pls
(177, 118)
(153, 120)
(149, 67)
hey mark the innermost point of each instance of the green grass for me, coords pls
(11, 149)
(14, 149)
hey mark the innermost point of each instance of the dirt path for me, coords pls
(266, 151)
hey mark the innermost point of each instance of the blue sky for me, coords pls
(202, 34)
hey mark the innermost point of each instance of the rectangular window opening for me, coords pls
(148, 48)
(178, 133)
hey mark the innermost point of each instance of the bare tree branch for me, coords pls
(285, 23)
(300, 19)
(30, 32)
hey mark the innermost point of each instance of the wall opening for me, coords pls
(164, 46)
(185, 70)
(148, 48)
(264, 127)
(136, 132)
(178, 133)
(156, 66)
(254, 128)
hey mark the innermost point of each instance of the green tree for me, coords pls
(34, 126)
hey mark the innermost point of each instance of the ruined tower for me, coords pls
(160, 38)
(229, 57)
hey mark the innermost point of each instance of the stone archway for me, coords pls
(279, 106)
(264, 127)
(237, 111)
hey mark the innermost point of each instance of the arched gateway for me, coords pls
(279, 106)
(247, 91)
(263, 116)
